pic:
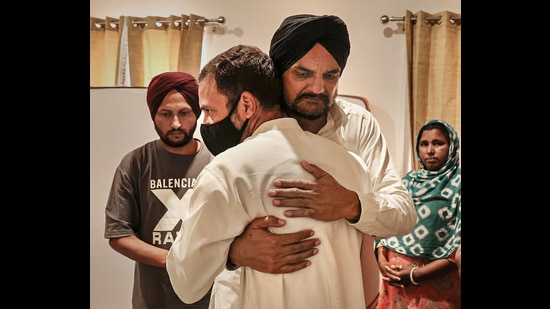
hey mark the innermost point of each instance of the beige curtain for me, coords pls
(129, 51)
(433, 62)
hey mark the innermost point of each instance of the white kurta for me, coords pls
(232, 190)
(387, 209)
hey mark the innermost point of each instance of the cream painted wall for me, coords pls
(375, 69)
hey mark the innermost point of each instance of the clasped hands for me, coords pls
(396, 274)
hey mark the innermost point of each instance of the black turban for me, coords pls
(163, 83)
(298, 33)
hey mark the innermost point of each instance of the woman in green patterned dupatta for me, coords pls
(419, 269)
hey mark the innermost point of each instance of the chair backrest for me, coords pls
(356, 99)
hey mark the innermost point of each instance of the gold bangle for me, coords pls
(411, 276)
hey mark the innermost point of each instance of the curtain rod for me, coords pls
(384, 19)
(207, 22)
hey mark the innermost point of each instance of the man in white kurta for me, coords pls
(232, 190)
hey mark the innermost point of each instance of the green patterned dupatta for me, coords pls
(436, 195)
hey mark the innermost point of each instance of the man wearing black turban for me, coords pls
(150, 190)
(297, 35)
(311, 52)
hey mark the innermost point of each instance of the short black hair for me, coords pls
(245, 68)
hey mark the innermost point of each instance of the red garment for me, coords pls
(442, 292)
(165, 82)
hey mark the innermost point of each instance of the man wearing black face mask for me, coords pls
(222, 135)
(240, 95)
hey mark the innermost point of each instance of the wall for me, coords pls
(119, 119)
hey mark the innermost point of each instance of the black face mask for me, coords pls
(222, 135)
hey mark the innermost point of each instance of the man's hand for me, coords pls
(321, 199)
(267, 252)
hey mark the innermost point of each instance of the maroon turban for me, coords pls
(163, 83)
(298, 33)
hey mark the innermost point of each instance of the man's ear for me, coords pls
(250, 103)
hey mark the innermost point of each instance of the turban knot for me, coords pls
(298, 33)
(163, 83)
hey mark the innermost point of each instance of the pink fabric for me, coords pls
(442, 292)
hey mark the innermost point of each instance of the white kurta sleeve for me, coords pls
(388, 210)
(200, 251)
